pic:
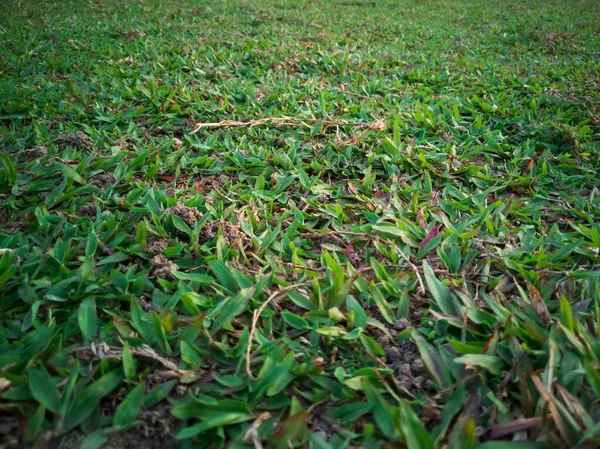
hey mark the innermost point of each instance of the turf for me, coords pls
(312, 224)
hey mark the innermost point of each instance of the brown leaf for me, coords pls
(4, 383)
(538, 304)
(572, 404)
(508, 428)
(421, 219)
(430, 235)
(289, 430)
(549, 398)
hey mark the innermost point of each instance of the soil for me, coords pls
(232, 234)
(102, 181)
(155, 245)
(163, 267)
(78, 139)
(11, 432)
(87, 210)
(155, 431)
(188, 214)
(14, 227)
(35, 152)
(404, 358)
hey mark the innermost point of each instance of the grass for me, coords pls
(300, 224)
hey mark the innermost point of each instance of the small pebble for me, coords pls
(402, 324)
(383, 341)
(393, 353)
(418, 366)
(402, 370)
(409, 356)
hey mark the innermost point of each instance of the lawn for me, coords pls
(300, 224)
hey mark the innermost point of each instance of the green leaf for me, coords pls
(9, 168)
(382, 304)
(450, 411)
(233, 307)
(158, 393)
(70, 172)
(223, 274)
(440, 293)
(432, 360)
(43, 389)
(128, 410)
(317, 442)
(87, 401)
(87, 317)
(350, 412)
(180, 224)
(35, 422)
(128, 362)
(295, 321)
(226, 412)
(95, 439)
(513, 445)
(301, 300)
(189, 355)
(193, 277)
(331, 331)
(92, 243)
(566, 314)
(489, 362)
(360, 316)
(593, 377)
(113, 258)
(414, 433)
(371, 346)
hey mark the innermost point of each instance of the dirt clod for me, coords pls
(77, 139)
(232, 234)
(102, 180)
(14, 227)
(35, 152)
(393, 354)
(188, 214)
(11, 433)
(402, 324)
(417, 366)
(87, 210)
(163, 267)
(155, 245)
(177, 144)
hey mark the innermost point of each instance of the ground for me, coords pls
(311, 224)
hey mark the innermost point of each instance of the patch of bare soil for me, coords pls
(35, 152)
(87, 210)
(404, 359)
(102, 180)
(155, 431)
(77, 139)
(188, 214)
(11, 432)
(13, 227)
(155, 245)
(163, 267)
(232, 234)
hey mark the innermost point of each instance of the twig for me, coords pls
(256, 316)
(252, 433)
(286, 121)
(415, 270)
